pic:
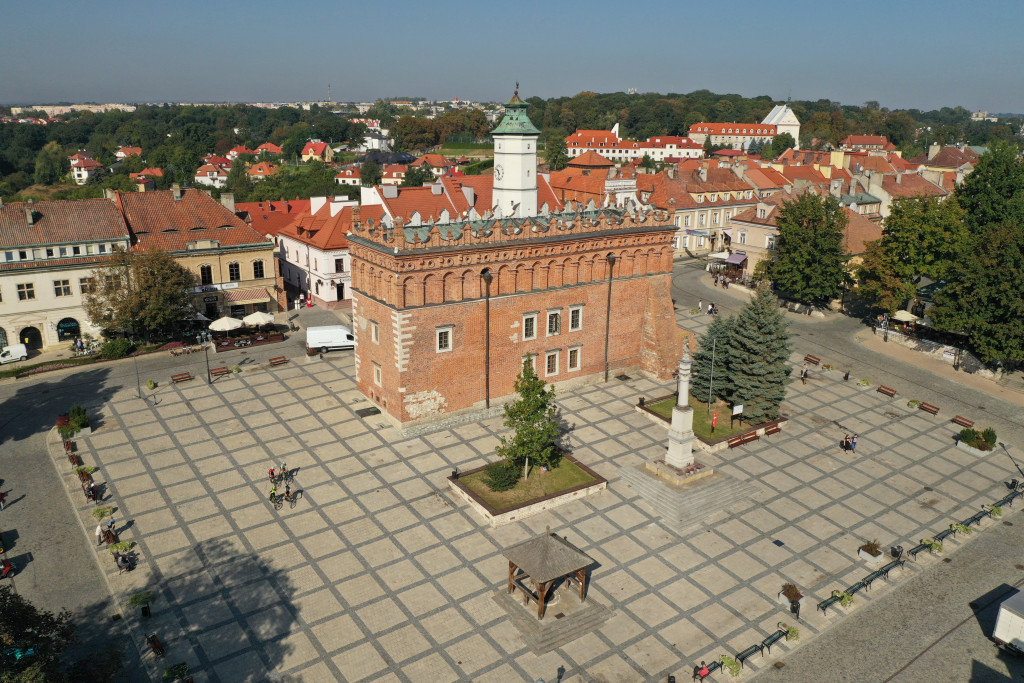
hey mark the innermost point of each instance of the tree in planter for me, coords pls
(714, 342)
(810, 257)
(25, 627)
(534, 421)
(758, 358)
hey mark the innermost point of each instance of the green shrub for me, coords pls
(150, 384)
(140, 599)
(990, 436)
(66, 432)
(78, 417)
(176, 672)
(100, 513)
(116, 348)
(730, 665)
(499, 476)
(967, 435)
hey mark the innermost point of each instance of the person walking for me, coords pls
(700, 305)
(99, 534)
(3, 496)
(803, 374)
(711, 309)
(853, 443)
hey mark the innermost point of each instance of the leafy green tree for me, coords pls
(984, 296)
(810, 258)
(647, 162)
(239, 180)
(994, 190)
(24, 628)
(141, 292)
(758, 357)
(880, 283)
(924, 236)
(417, 175)
(534, 421)
(370, 173)
(51, 164)
(713, 344)
(555, 153)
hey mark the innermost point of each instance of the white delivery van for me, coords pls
(329, 337)
(13, 353)
(1009, 631)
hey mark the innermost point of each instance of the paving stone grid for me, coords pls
(377, 574)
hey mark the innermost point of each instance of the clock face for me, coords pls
(498, 172)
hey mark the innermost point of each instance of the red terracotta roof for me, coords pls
(60, 222)
(270, 148)
(148, 173)
(87, 164)
(859, 231)
(434, 160)
(865, 141)
(911, 185)
(326, 232)
(157, 220)
(240, 149)
(590, 159)
(270, 217)
(263, 169)
(130, 151)
(317, 148)
(246, 296)
(351, 172)
(211, 171)
(217, 161)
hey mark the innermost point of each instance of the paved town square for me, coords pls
(378, 574)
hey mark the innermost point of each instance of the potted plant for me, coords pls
(100, 513)
(913, 403)
(792, 633)
(176, 672)
(961, 529)
(84, 473)
(151, 384)
(79, 419)
(870, 552)
(993, 510)
(845, 599)
(863, 382)
(66, 431)
(789, 594)
(730, 665)
(143, 600)
(933, 545)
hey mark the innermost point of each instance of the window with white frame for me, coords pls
(443, 338)
(62, 287)
(677, 242)
(378, 375)
(574, 357)
(374, 332)
(554, 322)
(550, 363)
(686, 221)
(257, 270)
(769, 242)
(576, 317)
(529, 326)
(26, 292)
(741, 237)
(703, 219)
(714, 218)
(531, 360)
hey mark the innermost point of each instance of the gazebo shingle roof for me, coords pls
(547, 557)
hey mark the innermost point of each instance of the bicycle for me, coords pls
(276, 500)
(291, 497)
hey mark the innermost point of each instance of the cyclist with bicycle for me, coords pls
(287, 492)
(272, 475)
(273, 493)
(284, 472)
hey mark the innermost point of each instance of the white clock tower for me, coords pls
(515, 162)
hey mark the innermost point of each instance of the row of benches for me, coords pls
(220, 372)
(863, 584)
(747, 437)
(700, 674)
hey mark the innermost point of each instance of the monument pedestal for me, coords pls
(678, 475)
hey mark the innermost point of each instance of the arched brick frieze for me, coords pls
(452, 287)
(413, 289)
(570, 271)
(540, 275)
(472, 285)
(506, 281)
(433, 289)
(586, 269)
(554, 273)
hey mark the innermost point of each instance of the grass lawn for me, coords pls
(701, 421)
(566, 476)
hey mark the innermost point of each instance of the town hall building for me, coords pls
(447, 308)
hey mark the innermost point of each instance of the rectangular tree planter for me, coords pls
(519, 512)
(971, 449)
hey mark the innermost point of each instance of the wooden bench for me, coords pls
(929, 408)
(277, 360)
(712, 668)
(964, 422)
(870, 578)
(828, 602)
(741, 439)
(748, 653)
(772, 639)
(889, 567)
(888, 391)
(774, 429)
(913, 552)
(181, 377)
(155, 645)
(220, 372)
(812, 359)
(84, 476)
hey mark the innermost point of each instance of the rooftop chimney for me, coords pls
(933, 149)
(228, 200)
(703, 172)
(389, 191)
(30, 215)
(436, 189)
(176, 192)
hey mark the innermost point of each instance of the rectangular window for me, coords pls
(234, 272)
(703, 219)
(103, 249)
(575, 318)
(677, 242)
(257, 270)
(23, 256)
(87, 284)
(26, 292)
(741, 237)
(574, 358)
(714, 218)
(378, 375)
(769, 242)
(443, 336)
(9, 255)
(554, 323)
(63, 251)
(551, 363)
(339, 265)
(686, 221)
(76, 251)
(530, 326)
(374, 332)
(62, 287)
(49, 252)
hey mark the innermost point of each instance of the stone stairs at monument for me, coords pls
(689, 505)
(552, 632)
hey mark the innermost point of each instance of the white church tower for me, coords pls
(515, 162)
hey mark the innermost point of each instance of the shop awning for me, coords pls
(720, 255)
(736, 258)
(727, 232)
(246, 296)
(691, 231)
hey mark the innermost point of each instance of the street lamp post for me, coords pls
(1003, 445)
(206, 337)
(486, 277)
(608, 314)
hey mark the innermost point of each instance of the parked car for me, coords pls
(1009, 630)
(10, 354)
(329, 337)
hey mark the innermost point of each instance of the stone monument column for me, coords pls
(680, 434)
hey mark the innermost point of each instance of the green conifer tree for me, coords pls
(714, 342)
(533, 419)
(758, 363)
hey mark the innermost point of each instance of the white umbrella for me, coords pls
(258, 318)
(200, 318)
(905, 316)
(224, 324)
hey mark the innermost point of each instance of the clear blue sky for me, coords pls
(900, 53)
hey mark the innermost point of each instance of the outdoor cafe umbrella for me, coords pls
(905, 316)
(224, 324)
(258, 318)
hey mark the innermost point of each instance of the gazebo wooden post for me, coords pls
(581, 577)
(542, 596)
(511, 577)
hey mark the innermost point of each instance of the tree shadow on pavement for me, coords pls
(35, 405)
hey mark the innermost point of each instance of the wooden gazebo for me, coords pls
(544, 560)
